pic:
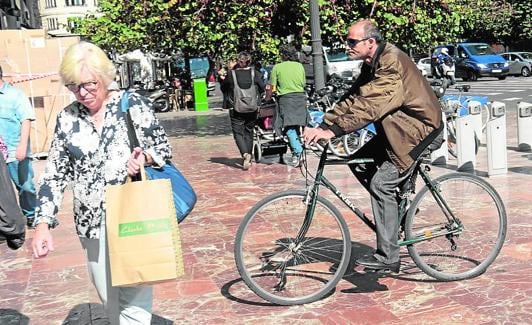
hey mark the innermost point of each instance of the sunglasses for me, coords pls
(352, 42)
(90, 86)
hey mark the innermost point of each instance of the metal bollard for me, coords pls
(476, 107)
(496, 139)
(465, 141)
(441, 155)
(524, 126)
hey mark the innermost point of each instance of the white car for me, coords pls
(424, 65)
(337, 63)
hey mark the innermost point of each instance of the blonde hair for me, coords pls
(90, 56)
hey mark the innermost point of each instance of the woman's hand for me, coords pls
(136, 161)
(42, 242)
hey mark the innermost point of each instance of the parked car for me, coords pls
(474, 60)
(424, 65)
(520, 63)
(338, 64)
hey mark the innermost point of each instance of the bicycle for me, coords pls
(458, 107)
(293, 247)
(325, 100)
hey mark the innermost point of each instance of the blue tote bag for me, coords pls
(184, 195)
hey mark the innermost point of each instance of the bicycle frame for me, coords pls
(320, 179)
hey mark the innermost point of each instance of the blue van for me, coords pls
(474, 60)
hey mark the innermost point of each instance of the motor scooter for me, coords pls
(159, 95)
(444, 76)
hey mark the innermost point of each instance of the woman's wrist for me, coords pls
(147, 159)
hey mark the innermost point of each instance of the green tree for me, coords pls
(502, 21)
(221, 28)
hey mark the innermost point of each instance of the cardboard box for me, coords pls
(30, 61)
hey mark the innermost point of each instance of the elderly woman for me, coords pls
(90, 150)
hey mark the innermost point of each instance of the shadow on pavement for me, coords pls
(84, 314)
(364, 282)
(527, 170)
(231, 162)
(197, 125)
(13, 317)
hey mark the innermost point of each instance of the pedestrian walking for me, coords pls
(16, 114)
(244, 87)
(288, 82)
(90, 150)
(12, 221)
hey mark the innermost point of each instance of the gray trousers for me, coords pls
(123, 305)
(381, 179)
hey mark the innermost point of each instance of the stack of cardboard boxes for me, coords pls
(30, 61)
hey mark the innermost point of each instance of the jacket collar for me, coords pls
(377, 56)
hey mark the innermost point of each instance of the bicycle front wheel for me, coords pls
(278, 267)
(460, 248)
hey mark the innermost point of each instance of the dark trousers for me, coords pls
(381, 180)
(243, 125)
(12, 221)
(21, 173)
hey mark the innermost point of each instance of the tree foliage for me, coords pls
(221, 28)
(503, 21)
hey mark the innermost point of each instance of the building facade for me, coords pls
(18, 14)
(55, 14)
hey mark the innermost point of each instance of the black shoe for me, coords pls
(29, 223)
(370, 262)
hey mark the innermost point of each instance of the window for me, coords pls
(53, 23)
(51, 3)
(479, 49)
(70, 3)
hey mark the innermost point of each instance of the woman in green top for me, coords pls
(288, 81)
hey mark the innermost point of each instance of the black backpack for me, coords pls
(245, 100)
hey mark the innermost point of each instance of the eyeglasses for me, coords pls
(352, 42)
(90, 86)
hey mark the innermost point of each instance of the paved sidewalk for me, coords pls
(57, 290)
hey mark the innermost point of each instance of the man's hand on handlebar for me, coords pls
(312, 135)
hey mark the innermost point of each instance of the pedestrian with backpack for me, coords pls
(244, 86)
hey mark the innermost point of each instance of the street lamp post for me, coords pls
(317, 50)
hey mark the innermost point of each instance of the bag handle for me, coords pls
(133, 140)
(124, 104)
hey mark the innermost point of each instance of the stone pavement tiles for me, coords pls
(57, 290)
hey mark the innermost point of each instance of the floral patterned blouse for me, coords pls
(88, 161)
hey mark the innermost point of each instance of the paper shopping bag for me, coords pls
(142, 233)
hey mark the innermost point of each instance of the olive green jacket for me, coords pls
(392, 93)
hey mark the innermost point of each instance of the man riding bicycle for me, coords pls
(391, 93)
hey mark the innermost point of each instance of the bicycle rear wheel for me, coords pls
(281, 270)
(336, 145)
(457, 250)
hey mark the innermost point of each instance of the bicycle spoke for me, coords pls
(292, 271)
(466, 246)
